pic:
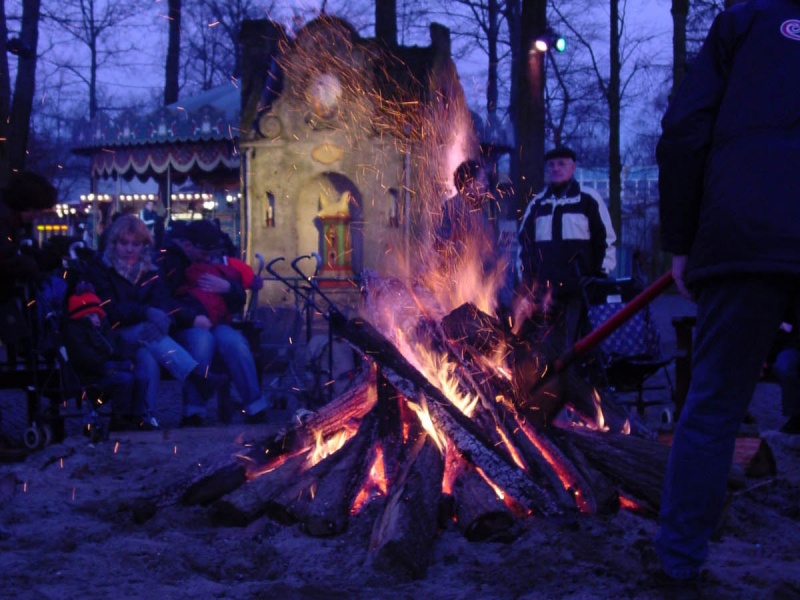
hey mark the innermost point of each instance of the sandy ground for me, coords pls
(67, 531)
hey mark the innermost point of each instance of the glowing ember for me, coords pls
(629, 504)
(566, 477)
(375, 485)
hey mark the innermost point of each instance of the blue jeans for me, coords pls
(200, 344)
(737, 319)
(150, 357)
(787, 372)
(231, 348)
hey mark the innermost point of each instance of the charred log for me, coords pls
(401, 539)
(343, 410)
(636, 465)
(248, 502)
(216, 485)
(598, 494)
(480, 514)
(328, 512)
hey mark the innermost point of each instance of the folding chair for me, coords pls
(631, 355)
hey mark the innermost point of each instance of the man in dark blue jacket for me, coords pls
(729, 160)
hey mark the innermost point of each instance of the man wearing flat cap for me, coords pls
(197, 242)
(565, 236)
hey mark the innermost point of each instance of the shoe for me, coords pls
(258, 418)
(208, 383)
(148, 423)
(192, 421)
(792, 426)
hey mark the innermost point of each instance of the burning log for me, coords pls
(402, 536)
(328, 512)
(221, 477)
(249, 501)
(636, 465)
(466, 436)
(598, 494)
(480, 514)
(347, 408)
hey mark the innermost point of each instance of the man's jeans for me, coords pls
(232, 349)
(737, 319)
(149, 359)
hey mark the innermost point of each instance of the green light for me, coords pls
(561, 44)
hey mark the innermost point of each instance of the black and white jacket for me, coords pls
(563, 237)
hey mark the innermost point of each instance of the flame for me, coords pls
(497, 489)
(424, 416)
(375, 485)
(323, 448)
(517, 509)
(601, 420)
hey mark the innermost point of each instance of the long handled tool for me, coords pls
(593, 339)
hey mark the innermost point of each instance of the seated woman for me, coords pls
(138, 304)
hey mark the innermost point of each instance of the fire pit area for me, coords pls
(446, 424)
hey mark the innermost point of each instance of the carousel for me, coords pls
(189, 149)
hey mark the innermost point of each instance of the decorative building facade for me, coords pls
(348, 148)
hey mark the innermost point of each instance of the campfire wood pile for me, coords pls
(409, 448)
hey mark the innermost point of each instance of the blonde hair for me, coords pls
(133, 226)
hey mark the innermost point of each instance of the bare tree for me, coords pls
(614, 78)
(95, 25)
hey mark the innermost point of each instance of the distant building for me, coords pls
(640, 220)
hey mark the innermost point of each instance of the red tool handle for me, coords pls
(590, 341)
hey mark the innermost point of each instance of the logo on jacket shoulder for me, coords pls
(791, 29)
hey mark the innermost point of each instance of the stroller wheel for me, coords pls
(33, 437)
(47, 433)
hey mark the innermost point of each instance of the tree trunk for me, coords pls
(248, 502)
(528, 163)
(614, 117)
(172, 70)
(386, 22)
(680, 14)
(20, 117)
(329, 511)
(493, 16)
(5, 102)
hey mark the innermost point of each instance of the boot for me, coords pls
(207, 383)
